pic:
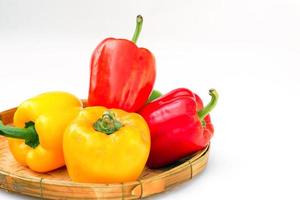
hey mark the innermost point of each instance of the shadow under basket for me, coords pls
(57, 184)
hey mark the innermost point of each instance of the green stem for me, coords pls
(108, 123)
(154, 95)
(138, 28)
(28, 133)
(210, 106)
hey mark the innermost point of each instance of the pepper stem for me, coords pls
(28, 133)
(154, 95)
(108, 123)
(210, 106)
(138, 28)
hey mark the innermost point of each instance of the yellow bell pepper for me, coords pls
(106, 146)
(36, 139)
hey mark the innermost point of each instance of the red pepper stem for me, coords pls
(28, 133)
(210, 106)
(154, 95)
(108, 123)
(138, 28)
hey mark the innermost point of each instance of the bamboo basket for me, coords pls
(57, 184)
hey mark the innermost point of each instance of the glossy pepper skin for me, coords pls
(39, 145)
(106, 146)
(121, 74)
(176, 130)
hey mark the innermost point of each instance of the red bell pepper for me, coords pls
(122, 75)
(179, 125)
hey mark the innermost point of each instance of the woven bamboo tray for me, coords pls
(57, 184)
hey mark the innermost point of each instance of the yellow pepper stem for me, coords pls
(28, 133)
(108, 123)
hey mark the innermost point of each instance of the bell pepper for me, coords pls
(106, 146)
(36, 139)
(121, 74)
(179, 125)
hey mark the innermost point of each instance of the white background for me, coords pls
(248, 50)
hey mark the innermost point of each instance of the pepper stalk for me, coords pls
(28, 133)
(108, 123)
(138, 28)
(210, 106)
